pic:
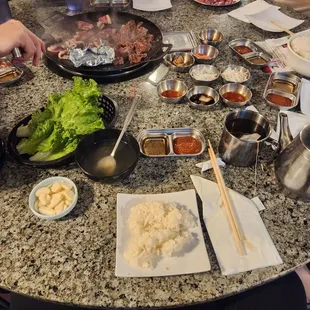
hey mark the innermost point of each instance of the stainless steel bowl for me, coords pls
(201, 68)
(188, 59)
(211, 36)
(208, 50)
(203, 90)
(237, 88)
(239, 68)
(171, 85)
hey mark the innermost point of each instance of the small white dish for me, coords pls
(47, 182)
(195, 261)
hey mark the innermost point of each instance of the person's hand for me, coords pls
(14, 34)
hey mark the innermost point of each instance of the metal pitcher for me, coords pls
(233, 148)
(292, 166)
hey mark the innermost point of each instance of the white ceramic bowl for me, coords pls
(298, 63)
(47, 182)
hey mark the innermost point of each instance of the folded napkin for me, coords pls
(260, 249)
(305, 97)
(296, 121)
(152, 5)
(265, 18)
(252, 8)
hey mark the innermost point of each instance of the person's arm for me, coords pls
(14, 34)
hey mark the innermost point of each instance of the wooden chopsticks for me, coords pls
(227, 204)
(282, 28)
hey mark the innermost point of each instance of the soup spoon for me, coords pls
(108, 163)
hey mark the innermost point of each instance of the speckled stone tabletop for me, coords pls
(73, 260)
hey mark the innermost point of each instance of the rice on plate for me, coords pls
(301, 46)
(157, 229)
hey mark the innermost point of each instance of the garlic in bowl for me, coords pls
(53, 198)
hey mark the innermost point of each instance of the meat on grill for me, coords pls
(84, 25)
(131, 42)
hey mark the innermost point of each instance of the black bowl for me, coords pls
(109, 117)
(102, 135)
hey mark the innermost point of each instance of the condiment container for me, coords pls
(245, 71)
(235, 88)
(163, 141)
(188, 61)
(201, 69)
(10, 76)
(237, 147)
(207, 50)
(206, 91)
(211, 36)
(172, 85)
(257, 52)
(48, 182)
(286, 85)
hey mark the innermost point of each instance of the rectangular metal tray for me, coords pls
(171, 133)
(283, 76)
(9, 70)
(110, 3)
(181, 41)
(257, 51)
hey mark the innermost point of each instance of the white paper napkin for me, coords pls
(264, 20)
(305, 97)
(296, 121)
(260, 249)
(206, 165)
(252, 8)
(152, 5)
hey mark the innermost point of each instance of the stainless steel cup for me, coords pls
(234, 148)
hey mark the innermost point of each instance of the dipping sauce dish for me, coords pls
(282, 90)
(171, 142)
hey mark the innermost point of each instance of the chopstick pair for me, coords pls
(236, 230)
(289, 32)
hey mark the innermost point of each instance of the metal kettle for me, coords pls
(292, 166)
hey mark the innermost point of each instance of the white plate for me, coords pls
(152, 5)
(214, 5)
(263, 20)
(195, 261)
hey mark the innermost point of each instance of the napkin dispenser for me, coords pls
(5, 15)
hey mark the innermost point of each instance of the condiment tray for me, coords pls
(286, 85)
(257, 52)
(160, 141)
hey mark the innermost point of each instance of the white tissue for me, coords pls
(260, 249)
(207, 164)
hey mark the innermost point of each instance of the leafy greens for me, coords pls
(57, 130)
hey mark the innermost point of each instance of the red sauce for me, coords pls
(186, 145)
(172, 93)
(279, 100)
(242, 49)
(234, 97)
(202, 56)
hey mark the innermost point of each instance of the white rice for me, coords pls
(301, 46)
(157, 229)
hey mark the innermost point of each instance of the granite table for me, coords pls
(73, 260)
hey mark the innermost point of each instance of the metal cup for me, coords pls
(233, 148)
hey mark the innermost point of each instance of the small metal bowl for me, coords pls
(211, 36)
(203, 90)
(237, 88)
(188, 59)
(177, 85)
(200, 68)
(240, 68)
(18, 72)
(208, 50)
